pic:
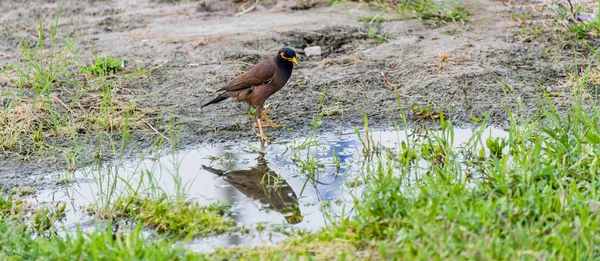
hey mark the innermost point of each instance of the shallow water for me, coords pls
(271, 189)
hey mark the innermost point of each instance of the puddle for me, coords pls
(269, 189)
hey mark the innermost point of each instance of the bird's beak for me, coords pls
(294, 60)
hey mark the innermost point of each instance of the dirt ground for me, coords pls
(459, 68)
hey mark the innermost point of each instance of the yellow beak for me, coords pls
(294, 60)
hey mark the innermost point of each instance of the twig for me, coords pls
(156, 131)
(464, 89)
(63, 104)
(385, 80)
(249, 9)
(573, 16)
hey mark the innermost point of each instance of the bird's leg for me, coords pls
(266, 118)
(261, 134)
(270, 124)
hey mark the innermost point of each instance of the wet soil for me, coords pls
(204, 45)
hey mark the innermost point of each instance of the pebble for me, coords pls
(312, 51)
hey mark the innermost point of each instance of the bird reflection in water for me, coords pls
(262, 184)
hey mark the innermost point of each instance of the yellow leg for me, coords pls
(270, 124)
(261, 134)
(266, 118)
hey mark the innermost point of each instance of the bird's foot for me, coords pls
(274, 125)
(264, 138)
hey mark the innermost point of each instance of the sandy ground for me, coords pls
(205, 46)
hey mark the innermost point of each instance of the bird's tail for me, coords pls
(219, 98)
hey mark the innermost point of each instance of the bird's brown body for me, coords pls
(259, 83)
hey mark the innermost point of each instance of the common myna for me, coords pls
(259, 83)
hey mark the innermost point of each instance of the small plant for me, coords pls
(23, 191)
(441, 13)
(11, 206)
(529, 35)
(495, 146)
(372, 19)
(44, 219)
(104, 66)
(407, 155)
(372, 32)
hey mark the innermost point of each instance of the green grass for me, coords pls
(17, 243)
(430, 12)
(588, 29)
(566, 13)
(177, 216)
(530, 196)
(104, 66)
(536, 200)
(39, 219)
(56, 103)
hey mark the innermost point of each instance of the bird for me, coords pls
(258, 84)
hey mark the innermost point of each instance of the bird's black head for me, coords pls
(288, 54)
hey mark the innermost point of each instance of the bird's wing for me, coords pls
(258, 75)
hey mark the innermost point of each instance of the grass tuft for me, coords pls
(430, 12)
(178, 217)
(104, 66)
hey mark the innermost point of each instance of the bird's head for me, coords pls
(288, 54)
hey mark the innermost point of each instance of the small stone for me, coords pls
(312, 51)
(260, 8)
(199, 43)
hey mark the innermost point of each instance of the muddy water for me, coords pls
(271, 188)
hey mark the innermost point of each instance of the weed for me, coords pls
(372, 32)
(529, 35)
(444, 12)
(576, 18)
(177, 216)
(44, 219)
(23, 191)
(496, 146)
(430, 12)
(104, 66)
(372, 19)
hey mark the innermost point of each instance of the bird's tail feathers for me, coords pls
(219, 98)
